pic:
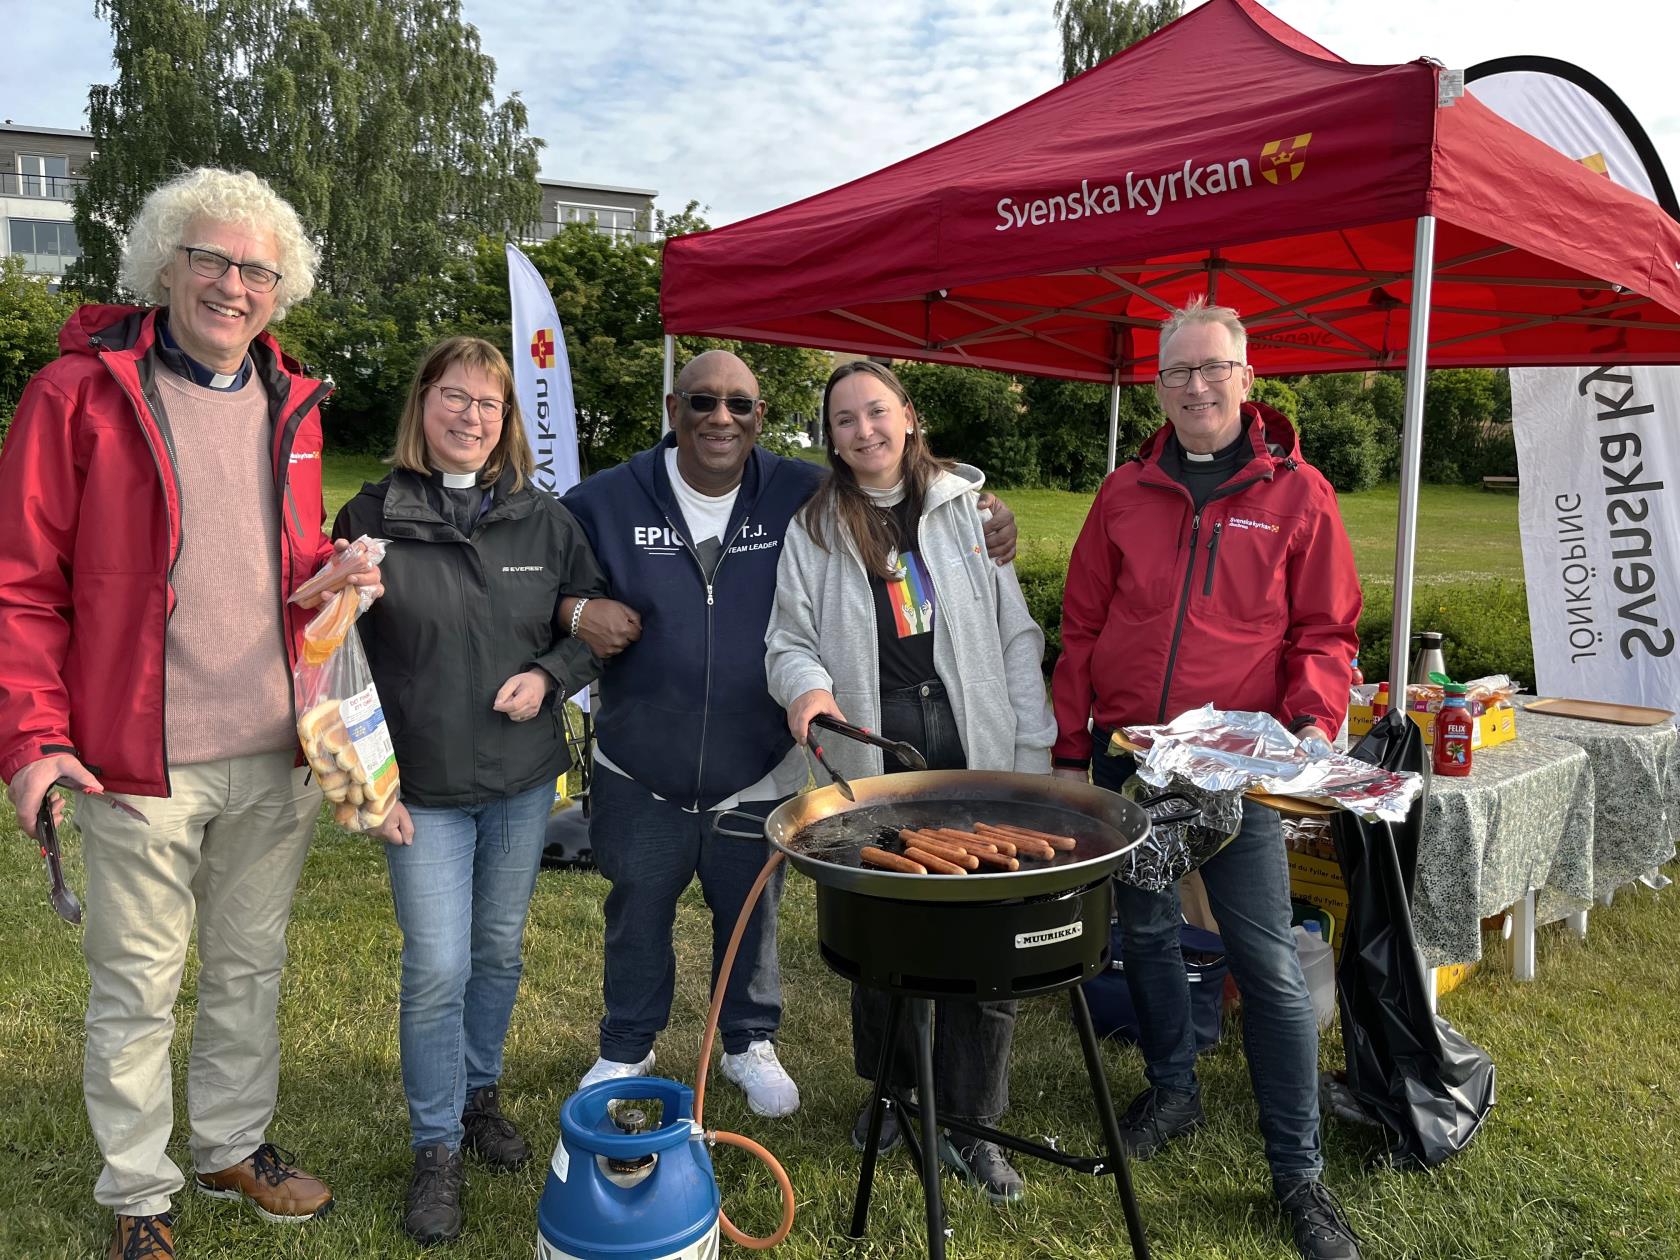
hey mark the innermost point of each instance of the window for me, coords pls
(46, 248)
(43, 176)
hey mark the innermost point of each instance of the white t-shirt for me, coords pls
(707, 517)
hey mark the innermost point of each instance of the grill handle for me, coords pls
(1190, 815)
(718, 829)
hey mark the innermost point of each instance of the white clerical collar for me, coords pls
(1197, 457)
(459, 481)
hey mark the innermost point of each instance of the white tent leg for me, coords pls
(670, 383)
(1113, 419)
(1411, 456)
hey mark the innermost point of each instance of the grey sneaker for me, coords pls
(434, 1196)
(889, 1129)
(489, 1134)
(1321, 1231)
(984, 1166)
(1158, 1116)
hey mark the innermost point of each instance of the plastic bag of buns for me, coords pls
(341, 724)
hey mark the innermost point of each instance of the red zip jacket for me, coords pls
(1250, 604)
(90, 532)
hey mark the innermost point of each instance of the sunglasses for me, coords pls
(704, 404)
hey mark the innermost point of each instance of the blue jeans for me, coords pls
(461, 890)
(1248, 890)
(651, 850)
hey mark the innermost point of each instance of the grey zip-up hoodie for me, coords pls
(987, 648)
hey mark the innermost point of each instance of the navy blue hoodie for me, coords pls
(685, 710)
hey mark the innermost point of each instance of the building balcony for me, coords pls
(44, 187)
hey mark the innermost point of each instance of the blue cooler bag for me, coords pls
(1110, 998)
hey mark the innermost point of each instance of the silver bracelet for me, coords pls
(577, 615)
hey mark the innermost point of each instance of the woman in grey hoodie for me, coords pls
(889, 615)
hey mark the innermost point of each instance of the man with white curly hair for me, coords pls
(160, 500)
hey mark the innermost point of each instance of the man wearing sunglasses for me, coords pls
(1214, 569)
(160, 500)
(688, 534)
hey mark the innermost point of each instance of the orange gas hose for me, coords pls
(735, 1139)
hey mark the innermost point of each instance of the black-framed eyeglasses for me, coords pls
(739, 405)
(213, 266)
(456, 401)
(1213, 373)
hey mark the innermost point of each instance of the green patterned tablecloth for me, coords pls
(1636, 791)
(1522, 819)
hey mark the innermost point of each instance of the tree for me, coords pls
(374, 118)
(1094, 30)
(1068, 424)
(972, 415)
(30, 317)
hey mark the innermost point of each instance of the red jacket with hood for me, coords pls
(1249, 604)
(90, 533)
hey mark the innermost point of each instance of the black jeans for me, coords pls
(971, 1040)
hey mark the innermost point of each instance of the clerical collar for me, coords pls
(1224, 453)
(459, 481)
(181, 363)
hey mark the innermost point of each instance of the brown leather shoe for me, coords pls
(142, 1238)
(268, 1180)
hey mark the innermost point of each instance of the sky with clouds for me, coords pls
(745, 105)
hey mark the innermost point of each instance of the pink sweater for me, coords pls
(227, 690)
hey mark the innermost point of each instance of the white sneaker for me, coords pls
(612, 1070)
(769, 1089)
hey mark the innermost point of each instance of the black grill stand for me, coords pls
(925, 1148)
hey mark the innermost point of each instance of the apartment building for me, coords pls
(40, 170)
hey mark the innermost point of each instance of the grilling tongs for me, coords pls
(59, 896)
(907, 753)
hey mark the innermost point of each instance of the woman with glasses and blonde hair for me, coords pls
(889, 615)
(473, 666)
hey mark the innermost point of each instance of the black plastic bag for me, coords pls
(1427, 1084)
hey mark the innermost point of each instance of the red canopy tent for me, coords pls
(1230, 155)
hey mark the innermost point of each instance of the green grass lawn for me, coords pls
(1578, 1161)
(1462, 532)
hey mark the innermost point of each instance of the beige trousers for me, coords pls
(229, 845)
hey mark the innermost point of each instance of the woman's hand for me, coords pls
(806, 707)
(607, 627)
(398, 827)
(367, 577)
(522, 696)
(1001, 534)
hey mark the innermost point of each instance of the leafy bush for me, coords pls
(974, 416)
(30, 317)
(1485, 624)
(1340, 433)
(1042, 578)
(1067, 422)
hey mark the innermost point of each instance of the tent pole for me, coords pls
(1411, 457)
(1113, 418)
(670, 383)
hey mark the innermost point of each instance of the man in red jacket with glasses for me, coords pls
(1214, 568)
(160, 500)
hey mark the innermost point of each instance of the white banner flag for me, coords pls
(542, 378)
(1599, 450)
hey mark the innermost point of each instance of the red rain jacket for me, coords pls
(1251, 604)
(90, 530)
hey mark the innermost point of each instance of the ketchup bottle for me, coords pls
(1454, 731)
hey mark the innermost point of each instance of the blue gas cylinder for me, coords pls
(614, 1194)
